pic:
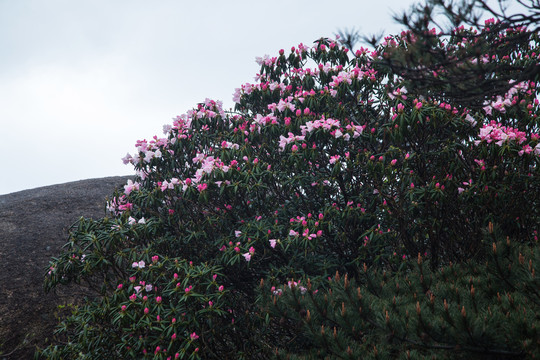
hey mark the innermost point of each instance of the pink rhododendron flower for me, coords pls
(202, 187)
(471, 120)
(127, 159)
(333, 159)
(527, 149)
(131, 186)
(495, 132)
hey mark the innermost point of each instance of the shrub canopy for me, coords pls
(327, 163)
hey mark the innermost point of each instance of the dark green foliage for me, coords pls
(335, 168)
(488, 310)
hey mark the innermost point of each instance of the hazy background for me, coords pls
(82, 80)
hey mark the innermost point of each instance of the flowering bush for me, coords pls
(327, 163)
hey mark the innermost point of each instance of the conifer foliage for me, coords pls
(231, 239)
(472, 310)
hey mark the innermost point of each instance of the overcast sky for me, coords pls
(82, 80)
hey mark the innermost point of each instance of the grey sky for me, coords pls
(82, 80)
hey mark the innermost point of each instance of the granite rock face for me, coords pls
(34, 226)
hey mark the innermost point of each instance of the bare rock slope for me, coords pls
(33, 227)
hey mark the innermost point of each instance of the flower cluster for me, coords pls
(499, 134)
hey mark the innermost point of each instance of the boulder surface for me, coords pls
(34, 226)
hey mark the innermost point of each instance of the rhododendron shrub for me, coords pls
(327, 163)
(485, 307)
